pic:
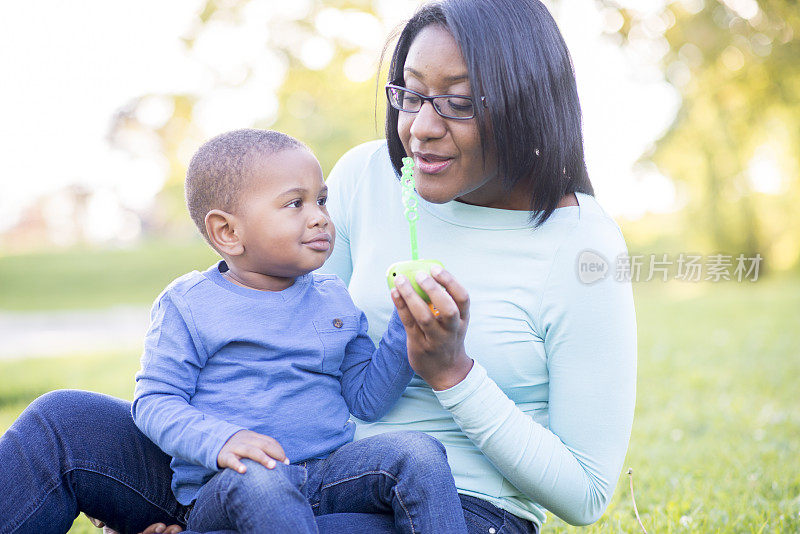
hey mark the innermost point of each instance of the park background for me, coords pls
(692, 125)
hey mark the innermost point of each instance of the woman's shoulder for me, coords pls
(372, 156)
(594, 228)
(585, 269)
(365, 152)
(586, 225)
(586, 253)
(585, 239)
(365, 165)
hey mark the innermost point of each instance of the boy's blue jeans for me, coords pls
(76, 451)
(401, 473)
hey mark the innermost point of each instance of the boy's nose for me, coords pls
(319, 219)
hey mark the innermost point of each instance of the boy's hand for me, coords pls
(248, 444)
(435, 341)
(161, 528)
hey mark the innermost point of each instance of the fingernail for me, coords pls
(436, 270)
(242, 469)
(159, 529)
(271, 464)
(400, 280)
(286, 461)
(422, 278)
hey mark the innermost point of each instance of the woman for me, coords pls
(528, 382)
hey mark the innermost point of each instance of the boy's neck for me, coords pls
(257, 281)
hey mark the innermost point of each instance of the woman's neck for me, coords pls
(518, 202)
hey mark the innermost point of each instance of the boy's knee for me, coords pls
(418, 447)
(419, 441)
(260, 482)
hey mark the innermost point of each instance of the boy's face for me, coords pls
(283, 222)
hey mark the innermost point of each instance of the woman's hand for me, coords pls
(435, 342)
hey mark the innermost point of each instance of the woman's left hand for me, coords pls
(435, 342)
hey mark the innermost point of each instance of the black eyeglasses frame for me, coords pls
(390, 86)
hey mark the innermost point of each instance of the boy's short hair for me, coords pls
(220, 169)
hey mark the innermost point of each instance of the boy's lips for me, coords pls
(322, 242)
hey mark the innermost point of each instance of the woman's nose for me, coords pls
(427, 124)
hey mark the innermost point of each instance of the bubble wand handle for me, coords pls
(410, 269)
(410, 202)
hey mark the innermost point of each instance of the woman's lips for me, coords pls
(431, 164)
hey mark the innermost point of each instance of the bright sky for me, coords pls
(68, 66)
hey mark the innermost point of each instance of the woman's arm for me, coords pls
(589, 332)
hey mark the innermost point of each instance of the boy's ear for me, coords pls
(221, 229)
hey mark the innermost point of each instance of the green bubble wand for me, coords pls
(410, 268)
(410, 202)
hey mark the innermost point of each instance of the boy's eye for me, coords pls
(295, 203)
(322, 201)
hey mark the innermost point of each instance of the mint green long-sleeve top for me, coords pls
(543, 419)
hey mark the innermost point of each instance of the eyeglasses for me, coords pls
(459, 107)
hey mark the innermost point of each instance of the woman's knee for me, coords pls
(54, 408)
(57, 401)
(78, 424)
(70, 401)
(69, 407)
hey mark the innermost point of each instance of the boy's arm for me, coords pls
(172, 359)
(373, 379)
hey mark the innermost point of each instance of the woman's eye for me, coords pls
(461, 104)
(411, 99)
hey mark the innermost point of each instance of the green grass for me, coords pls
(97, 278)
(715, 443)
(21, 381)
(715, 438)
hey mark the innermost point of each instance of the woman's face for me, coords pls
(449, 162)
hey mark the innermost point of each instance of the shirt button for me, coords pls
(492, 530)
(337, 323)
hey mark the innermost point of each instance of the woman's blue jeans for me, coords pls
(76, 451)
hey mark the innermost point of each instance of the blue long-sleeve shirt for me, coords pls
(291, 364)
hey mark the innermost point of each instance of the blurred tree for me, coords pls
(164, 137)
(315, 66)
(309, 70)
(733, 148)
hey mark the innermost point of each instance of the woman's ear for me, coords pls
(221, 229)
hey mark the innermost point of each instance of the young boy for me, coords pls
(257, 360)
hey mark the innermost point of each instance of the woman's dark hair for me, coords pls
(517, 59)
